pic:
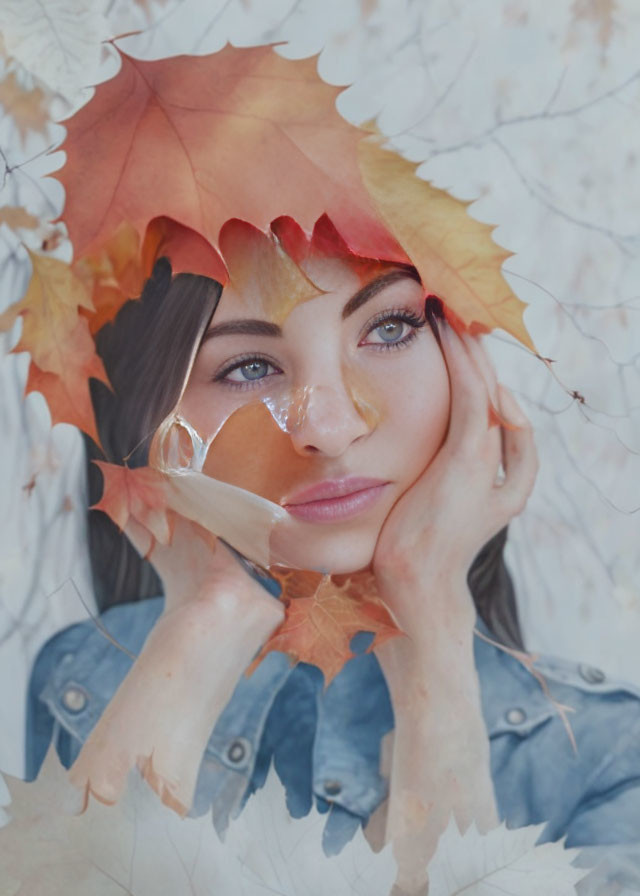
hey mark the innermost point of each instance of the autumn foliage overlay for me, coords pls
(171, 152)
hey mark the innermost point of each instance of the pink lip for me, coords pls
(335, 499)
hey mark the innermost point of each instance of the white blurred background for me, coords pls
(531, 109)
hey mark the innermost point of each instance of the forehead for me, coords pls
(267, 295)
(326, 284)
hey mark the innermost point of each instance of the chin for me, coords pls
(306, 546)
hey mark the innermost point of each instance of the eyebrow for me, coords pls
(360, 298)
(369, 290)
(243, 328)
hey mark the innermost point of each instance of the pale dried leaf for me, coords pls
(142, 848)
(58, 42)
(285, 854)
(503, 861)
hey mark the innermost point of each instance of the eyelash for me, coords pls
(405, 315)
(240, 362)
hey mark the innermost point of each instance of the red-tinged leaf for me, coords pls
(260, 271)
(319, 629)
(137, 494)
(310, 252)
(186, 249)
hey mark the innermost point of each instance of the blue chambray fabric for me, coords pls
(325, 744)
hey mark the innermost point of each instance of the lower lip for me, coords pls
(330, 510)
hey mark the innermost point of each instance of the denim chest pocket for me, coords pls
(76, 696)
(521, 718)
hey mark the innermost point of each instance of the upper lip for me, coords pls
(333, 488)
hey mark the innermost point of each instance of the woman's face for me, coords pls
(362, 393)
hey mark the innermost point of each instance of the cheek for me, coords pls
(205, 415)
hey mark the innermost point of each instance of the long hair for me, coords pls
(146, 352)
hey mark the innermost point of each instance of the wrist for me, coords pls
(423, 676)
(436, 611)
(434, 664)
(409, 564)
(233, 616)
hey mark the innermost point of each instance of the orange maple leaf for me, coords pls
(241, 133)
(67, 391)
(246, 134)
(63, 354)
(49, 310)
(319, 629)
(28, 108)
(137, 494)
(113, 275)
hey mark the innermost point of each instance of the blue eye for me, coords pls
(393, 329)
(253, 370)
(390, 330)
(246, 372)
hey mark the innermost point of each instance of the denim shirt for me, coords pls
(325, 744)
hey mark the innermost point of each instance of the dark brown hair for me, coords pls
(146, 351)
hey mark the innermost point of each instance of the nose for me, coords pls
(325, 421)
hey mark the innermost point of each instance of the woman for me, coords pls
(369, 427)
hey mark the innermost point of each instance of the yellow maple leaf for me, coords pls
(50, 313)
(455, 255)
(63, 354)
(67, 392)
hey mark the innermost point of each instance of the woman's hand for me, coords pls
(438, 526)
(161, 717)
(441, 761)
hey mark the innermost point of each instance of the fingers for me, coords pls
(468, 407)
(484, 363)
(473, 381)
(469, 437)
(520, 457)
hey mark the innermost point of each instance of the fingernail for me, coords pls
(511, 407)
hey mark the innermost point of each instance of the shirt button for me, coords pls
(332, 787)
(74, 699)
(237, 750)
(515, 716)
(590, 674)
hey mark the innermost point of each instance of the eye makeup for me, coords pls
(245, 360)
(407, 316)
